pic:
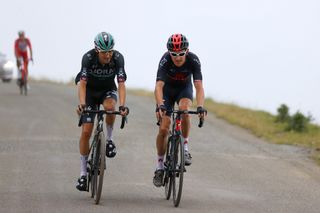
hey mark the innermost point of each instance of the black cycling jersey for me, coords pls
(101, 77)
(174, 76)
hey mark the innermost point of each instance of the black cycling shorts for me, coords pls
(172, 95)
(93, 101)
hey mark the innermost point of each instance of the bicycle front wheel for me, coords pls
(100, 161)
(177, 179)
(168, 171)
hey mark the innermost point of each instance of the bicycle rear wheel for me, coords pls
(100, 161)
(25, 87)
(177, 178)
(168, 171)
(21, 87)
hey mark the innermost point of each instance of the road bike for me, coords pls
(174, 165)
(97, 161)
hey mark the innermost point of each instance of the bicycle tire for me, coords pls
(21, 87)
(25, 88)
(93, 176)
(168, 171)
(100, 160)
(178, 163)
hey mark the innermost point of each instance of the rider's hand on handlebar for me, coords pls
(160, 111)
(201, 112)
(80, 108)
(124, 111)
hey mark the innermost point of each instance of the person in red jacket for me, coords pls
(21, 46)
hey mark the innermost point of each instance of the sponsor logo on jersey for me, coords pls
(162, 62)
(197, 61)
(102, 72)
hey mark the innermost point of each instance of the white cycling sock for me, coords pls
(83, 163)
(160, 164)
(109, 132)
(185, 143)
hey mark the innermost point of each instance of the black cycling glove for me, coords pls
(81, 107)
(201, 110)
(124, 108)
(161, 108)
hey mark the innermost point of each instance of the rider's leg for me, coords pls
(26, 62)
(161, 150)
(84, 146)
(19, 71)
(110, 105)
(185, 104)
(161, 141)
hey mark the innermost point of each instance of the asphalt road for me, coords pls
(232, 170)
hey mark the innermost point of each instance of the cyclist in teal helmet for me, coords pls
(96, 85)
(103, 42)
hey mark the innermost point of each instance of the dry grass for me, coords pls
(262, 124)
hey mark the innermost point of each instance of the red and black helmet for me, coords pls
(177, 42)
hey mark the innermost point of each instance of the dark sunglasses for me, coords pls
(175, 54)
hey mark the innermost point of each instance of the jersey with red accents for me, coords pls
(21, 45)
(179, 76)
(101, 77)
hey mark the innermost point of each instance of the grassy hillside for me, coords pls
(262, 124)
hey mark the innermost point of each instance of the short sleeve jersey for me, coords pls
(21, 45)
(101, 77)
(175, 76)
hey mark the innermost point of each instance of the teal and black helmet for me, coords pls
(103, 41)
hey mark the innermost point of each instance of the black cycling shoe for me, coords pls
(111, 150)
(82, 183)
(187, 158)
(158, 177)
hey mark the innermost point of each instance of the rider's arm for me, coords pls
(197, 80)
(83, 79)
(121, 78)
(16, 48)
(199, 92)
(161, 79)
(158, 92)
(30, 48)
(122, 93)
(82, 87)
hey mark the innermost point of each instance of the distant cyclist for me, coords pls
(174, 85)
(21, 46)
(96, 85)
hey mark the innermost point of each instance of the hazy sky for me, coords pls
(254, 53)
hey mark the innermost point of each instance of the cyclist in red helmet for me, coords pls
(177, 69)
(21, 46)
